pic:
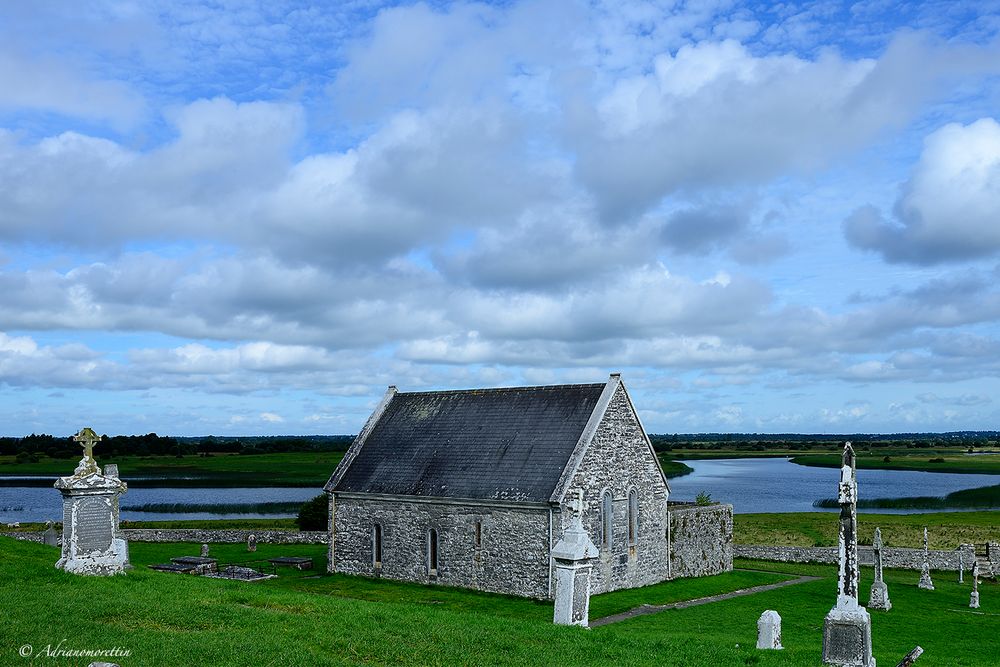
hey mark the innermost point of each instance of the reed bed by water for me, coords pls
(985, 497)
(217, 508)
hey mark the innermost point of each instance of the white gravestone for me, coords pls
(50, 537)
(974, 596)
(572, 555)
(878, 597)
(847, 629)
(92, 542)
(204, 551)
(251, 543)
(925, 569)
(769, 630)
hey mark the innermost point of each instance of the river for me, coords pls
(778, 485)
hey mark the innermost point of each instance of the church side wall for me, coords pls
(701, 540)
(513, 557)
(619, 460)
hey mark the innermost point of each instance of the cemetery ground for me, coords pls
(309, 618)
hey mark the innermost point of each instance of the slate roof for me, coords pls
(495, 444)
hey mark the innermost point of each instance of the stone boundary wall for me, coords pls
(907, 559)
(204, 536)
(701, 540)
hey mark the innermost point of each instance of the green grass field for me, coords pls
(289, 469)
(946, 530)
(166, 620)
(929, 460)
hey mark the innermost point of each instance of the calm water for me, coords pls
(43, 504)
(751, 485)
(778, 485)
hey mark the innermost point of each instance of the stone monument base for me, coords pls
(974, 600)
(101, 564)
(879, 597)
(847, 637)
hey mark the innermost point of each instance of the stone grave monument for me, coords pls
(769, 630)
(251, 543)
(961, 565)
(572, 555)
(204, 551)
(50, 537)
(974, 596)
(847, 629)
(878, 597)
(925, 569)
(92, 542)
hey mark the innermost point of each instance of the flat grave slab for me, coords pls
(298, 562)
(176, 568)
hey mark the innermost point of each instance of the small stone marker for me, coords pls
(911, 657)
(251, 543)
(878, 597)
(204, 551)
(974, 596)
(769, 630)
(925, 569)
(92, 542)
(572, 555)
(847, 628)
(961, 566)
(50, 536)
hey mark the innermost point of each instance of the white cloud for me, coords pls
(950, 207)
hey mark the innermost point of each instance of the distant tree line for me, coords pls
(803, 441)
(29, 448)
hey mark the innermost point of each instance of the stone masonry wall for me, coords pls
(513, 557)
(203, 536)
(701, 540)
(619, 461)
(909, 559)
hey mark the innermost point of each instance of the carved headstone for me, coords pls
(878, 597)
(974, 596)
(204, 551)
(911, 657)
(251, 543)
(925, 569)
(572, 555)
(50, 536)
(92, 542)
(847, 629)
(769, 630)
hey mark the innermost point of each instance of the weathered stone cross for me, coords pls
(88, 439)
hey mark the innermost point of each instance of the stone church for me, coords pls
(473, 488)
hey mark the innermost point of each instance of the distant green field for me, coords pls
(288, 469)
(985, 497)
(165, 619)
(946, 530)
(933, 461)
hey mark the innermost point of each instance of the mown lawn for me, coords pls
(946, 530)
(167, 620)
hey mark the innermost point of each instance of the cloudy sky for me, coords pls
(232, 218)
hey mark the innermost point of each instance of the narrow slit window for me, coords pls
(432, 551)
(633, 517)
(607, 511)
(479, 534)
(377, 545)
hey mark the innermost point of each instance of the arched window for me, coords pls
(377, 546)
(432, 552)
(607, 512)
(633, 517)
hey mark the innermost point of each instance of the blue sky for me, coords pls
(249, 218)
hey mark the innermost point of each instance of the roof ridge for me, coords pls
(589, 385)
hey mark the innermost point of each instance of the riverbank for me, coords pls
(226, 470)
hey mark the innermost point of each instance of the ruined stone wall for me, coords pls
(701, 540)
(513, 557)
(203, 536)
(619, 460)
(908, 559)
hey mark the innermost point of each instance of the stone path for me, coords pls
(647, 609)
